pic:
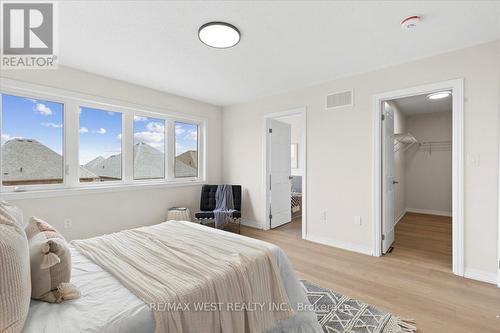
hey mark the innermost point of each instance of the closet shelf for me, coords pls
(430, 146)
(403, 141)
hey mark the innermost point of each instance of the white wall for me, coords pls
(429, 174)
(399, 165)
(340, 157)
(107, 212)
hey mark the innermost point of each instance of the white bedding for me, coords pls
(107, 306)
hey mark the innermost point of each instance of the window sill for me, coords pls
(100, 188)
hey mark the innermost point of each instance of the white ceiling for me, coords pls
(284, 45)
(421, 104)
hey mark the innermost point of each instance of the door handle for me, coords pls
(290, 177)
(395, 182)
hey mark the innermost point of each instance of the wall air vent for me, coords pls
(340, 99)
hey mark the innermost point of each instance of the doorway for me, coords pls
(394, 219)
(417, 190)
(285, 171)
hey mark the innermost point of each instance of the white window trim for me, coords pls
(71, 184)
(48, 98)
(124, 132)
(173, 146)
(166, 150)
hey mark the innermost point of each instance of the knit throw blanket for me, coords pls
(224, 205)
(192, 281)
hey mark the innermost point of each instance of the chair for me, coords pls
(207, 205)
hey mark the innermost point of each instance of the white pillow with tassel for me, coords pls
(50, 263)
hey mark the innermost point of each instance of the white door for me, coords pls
(279, 172)
(388, 181)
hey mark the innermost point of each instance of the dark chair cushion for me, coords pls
(207, 202)
(210, 215)
(237, 197)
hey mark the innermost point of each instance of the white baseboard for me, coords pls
(428, 211)
(340, 244)
(251, 223)
(400, 217)
(480, 275)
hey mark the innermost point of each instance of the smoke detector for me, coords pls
(410, 22)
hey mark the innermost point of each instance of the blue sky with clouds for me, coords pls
(100, 133)
(32, 119)
(186, 137)
(150, 131)
(100, 130)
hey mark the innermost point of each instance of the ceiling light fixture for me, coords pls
(220, 35)
(439, 95)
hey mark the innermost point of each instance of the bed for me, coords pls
(106, 305)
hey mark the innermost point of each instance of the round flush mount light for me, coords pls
(439, 95)
(220, 35)
(410, 22)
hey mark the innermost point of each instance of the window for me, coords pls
(58, 140)
(32, 141)
(100, 145)
(149, 148)
(186, 150)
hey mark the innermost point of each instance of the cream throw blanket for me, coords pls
(176, 264)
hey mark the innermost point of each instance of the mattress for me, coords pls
(107, 306)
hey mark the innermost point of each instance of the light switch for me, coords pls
(323, 216)
(68, 223)
(474, 160)
(357, 220)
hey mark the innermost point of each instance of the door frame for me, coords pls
(384, 187)
(498, 239)
(301, 111)
(457, 88)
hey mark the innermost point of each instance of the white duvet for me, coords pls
(106, 305)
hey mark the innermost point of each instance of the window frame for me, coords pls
(165, 147)
(71, 102)
(63, 184)
(96, 106)
(197, 148)
(201, 146)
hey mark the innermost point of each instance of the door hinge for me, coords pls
(499, 264)
(383, 237)
(270, 130)
(383, 117)
(270, 183)
(270, 216)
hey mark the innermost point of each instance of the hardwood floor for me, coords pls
(426, 239)
(412, 282)
(294, 228)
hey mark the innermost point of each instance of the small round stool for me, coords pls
(179, 214)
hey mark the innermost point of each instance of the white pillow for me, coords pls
(50, 263)
(14, 212)
(15, 280)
